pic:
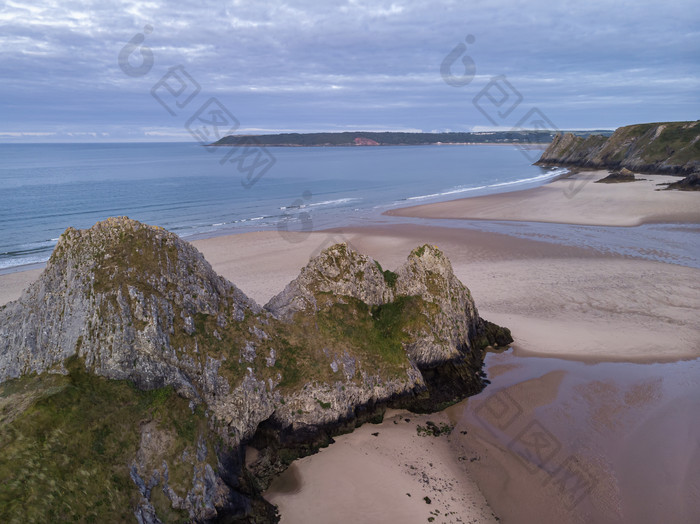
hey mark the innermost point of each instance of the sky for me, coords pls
(152, 70)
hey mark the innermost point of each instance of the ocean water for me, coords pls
(196, 191)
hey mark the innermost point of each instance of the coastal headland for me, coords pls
(396, 138)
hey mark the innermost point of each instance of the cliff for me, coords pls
(131, 368)
(360, 141)
(671, 147)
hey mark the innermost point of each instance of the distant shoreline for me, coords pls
(521, 137)
(523, 144)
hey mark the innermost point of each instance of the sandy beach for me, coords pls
(388, 471)
(560, 302)
(576, 199)
(12, 284)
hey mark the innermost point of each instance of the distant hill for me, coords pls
(392, 138)
(665, 147)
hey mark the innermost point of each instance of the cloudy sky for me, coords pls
(109, 70)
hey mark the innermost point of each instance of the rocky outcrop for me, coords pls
(671, 147)
(454, 325)
(342, 341)
(616, 177)
(689, 183)
(124, 296)
(451, 321)
(339, 271)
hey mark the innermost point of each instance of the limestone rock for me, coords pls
(123, 296)
(136, 302)
(337, 270)
(623, 175)
(453, 320)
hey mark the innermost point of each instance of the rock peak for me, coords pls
(337, 270)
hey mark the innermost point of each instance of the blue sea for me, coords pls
(197, 191)
(45, 188)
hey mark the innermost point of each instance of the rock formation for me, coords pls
(689, 183)
(671, 147)
(126, 301)
(616, 177)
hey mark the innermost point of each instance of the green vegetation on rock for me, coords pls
(68, 442)
(374, 333)
(389, 276)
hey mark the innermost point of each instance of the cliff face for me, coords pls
(360, 141)
(126, 301)
(123, 296)
(672, 147)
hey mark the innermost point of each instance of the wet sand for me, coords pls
(569, 442)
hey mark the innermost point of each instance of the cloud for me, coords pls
(300, 65)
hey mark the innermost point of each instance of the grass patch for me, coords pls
(373, 335)
(290, 362)
(376, 338)
(389, 276)
(673, 141)
(65, 457)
